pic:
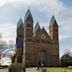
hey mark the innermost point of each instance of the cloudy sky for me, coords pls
(42, 10)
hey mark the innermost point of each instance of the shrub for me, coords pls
(30, 65)
(18, 67)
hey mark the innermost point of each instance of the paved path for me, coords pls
(3, 70)
(31, 70)
(27, 70)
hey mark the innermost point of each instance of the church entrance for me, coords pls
(42, 57)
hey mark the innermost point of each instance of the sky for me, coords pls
(42, 10)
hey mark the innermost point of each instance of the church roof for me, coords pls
(53, 22)
(37, 26)
(28, 13)
(20, 22)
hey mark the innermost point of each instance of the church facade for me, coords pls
(35, 45)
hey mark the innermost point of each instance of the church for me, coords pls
(34, 44)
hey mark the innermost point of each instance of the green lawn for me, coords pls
(56, 70)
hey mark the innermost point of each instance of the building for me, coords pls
(35, 45)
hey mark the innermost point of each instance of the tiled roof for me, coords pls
(20, 22)
(37, 26)
(27, 14)
(53, 21)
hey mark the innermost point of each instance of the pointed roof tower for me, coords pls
(20, 22)
(37, 26)
(28, 14)
(53, 22)
(43, 29)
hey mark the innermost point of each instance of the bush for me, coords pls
(66, 60)
(70, 67)
(18, 67)
(31, 65)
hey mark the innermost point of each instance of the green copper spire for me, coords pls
(20, 22)
(37, 26)
(28, 13)
(53, 21)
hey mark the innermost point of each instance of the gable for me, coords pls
(42, 35)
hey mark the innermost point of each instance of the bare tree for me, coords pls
(2, 47)
(10, 50)
(68, 51)
(6, 49)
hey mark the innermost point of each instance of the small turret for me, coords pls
(20, 23)
(53, 22)
(37, 27)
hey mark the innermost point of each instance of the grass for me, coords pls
(56, 70)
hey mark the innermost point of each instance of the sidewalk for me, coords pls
(27, 70)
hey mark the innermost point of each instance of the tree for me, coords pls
(6, 49)
(2, 47)
(10, 52)
(13, 58)
(66, 59)
(10, 49)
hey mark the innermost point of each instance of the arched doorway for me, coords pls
(42, 57)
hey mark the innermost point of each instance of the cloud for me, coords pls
(65, 23)
(2, 2)
(51, 6)
(62, 13)
(5, 61)
(54, 6)
(42, 10)
(8, 31)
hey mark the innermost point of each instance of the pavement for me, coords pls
(3, 70)
(27, 70)
(31, 70)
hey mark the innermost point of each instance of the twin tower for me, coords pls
(35, 45)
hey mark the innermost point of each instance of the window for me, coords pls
(28, 39)
(19, 42)
(29, 25)
(43, 41)
(37, 40)
(48, 41)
